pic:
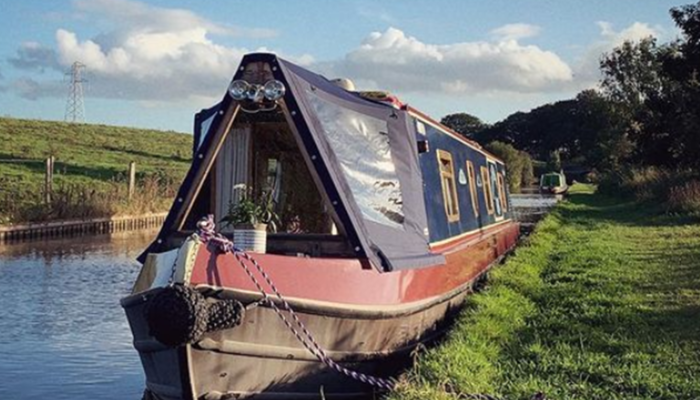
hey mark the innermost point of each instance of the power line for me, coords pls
(75, 106)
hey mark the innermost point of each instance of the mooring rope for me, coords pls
(208, 234)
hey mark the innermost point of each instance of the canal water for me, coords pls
(64, 334)
(530, 207)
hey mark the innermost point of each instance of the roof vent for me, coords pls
(345, 84)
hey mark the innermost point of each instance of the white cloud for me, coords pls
(587, 67)
(515, 31)
(636, 31)
(147, 53)
(141, 56)
(154, 54)
(394, 61)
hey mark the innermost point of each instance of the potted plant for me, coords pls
(251, 218)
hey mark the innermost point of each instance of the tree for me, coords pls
(682, 64)
(569, 127)
(603, 140)
(465, 124)
(632, 74)
(527, 175)
(634, 81)
(518, 164)
(656, 88)
(554, 161)
(512, 130)
(685, 61)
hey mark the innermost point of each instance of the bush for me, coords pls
(685, 198)
(528, 174)
(641, 184)
(518, 164)
(677, 191)
(84, 200)
(592, 177)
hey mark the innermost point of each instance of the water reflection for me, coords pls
(531, 207)
(64, 334)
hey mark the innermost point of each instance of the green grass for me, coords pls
(602, 302)
(91, 167)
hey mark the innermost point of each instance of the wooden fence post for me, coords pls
(132, 179)
(48, 179)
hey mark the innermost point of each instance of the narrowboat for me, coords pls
(554, 183)
(384, 220)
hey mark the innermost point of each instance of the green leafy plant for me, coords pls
(251, 211)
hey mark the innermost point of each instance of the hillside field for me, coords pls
(90, 176)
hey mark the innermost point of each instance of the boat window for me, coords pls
(259, 159)
(274, 177)
(204, 129)
(449, 188)
(361, 146)
(488, 190)
(277, 168)
(472, 188)
(502, 192)
(551, 180)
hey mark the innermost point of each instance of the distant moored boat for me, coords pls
(553, 182)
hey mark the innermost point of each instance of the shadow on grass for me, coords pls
(66, 169)
(145, 154)
(591, 210)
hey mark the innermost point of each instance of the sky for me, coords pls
(155, 63)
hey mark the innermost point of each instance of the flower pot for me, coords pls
(250, 237)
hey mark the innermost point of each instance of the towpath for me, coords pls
(603, 302)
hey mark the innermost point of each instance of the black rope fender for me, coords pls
(180, 314)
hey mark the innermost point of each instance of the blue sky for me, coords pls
(155, 63)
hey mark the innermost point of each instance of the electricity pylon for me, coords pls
(75, 106)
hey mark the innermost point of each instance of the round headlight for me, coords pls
(274, 90)
(238, 90)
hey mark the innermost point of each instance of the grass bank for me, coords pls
(602, 302)
(90, 170)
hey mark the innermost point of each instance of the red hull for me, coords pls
(351, 282)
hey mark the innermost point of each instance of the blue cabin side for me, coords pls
(441, 146)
